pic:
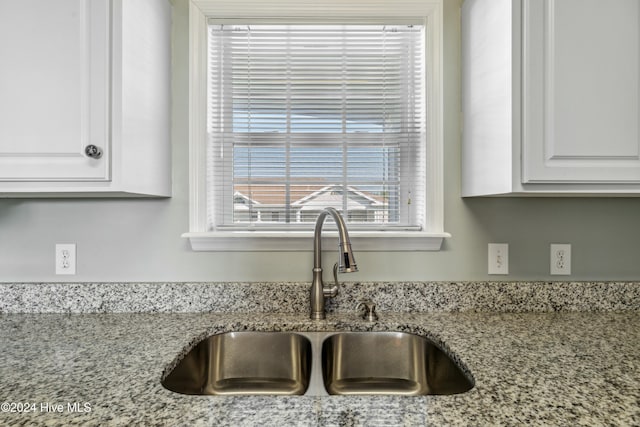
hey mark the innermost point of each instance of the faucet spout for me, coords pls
(346, 262)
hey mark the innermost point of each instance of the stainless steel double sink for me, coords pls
(317, 363)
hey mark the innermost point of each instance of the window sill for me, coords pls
(259, 241)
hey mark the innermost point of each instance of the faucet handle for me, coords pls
(369, 312)
(332, 291)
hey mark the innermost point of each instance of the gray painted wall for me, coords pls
(139, 240)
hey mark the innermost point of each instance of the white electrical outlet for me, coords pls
(560, 263)
(498, 258)
(66, 258)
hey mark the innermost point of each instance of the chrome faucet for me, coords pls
(346, 263)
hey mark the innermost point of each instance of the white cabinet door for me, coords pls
(54, 89)
(581, 91)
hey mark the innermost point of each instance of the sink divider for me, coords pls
(316, 382)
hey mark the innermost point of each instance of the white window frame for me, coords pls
(431, 236)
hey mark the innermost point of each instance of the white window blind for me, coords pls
(301, 117)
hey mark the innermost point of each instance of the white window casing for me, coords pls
(214, 226)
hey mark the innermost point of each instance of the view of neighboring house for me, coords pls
(267, 203)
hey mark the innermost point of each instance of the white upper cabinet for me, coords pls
(85, 97)
(551, 97)
(52, 104)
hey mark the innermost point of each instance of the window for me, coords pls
(299, 116)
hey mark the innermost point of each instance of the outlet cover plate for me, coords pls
(66, 258)
(560, 259)
(498, 258)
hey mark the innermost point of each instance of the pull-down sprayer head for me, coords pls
(346, 261)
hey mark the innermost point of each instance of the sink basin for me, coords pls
(316, 364)
(394, 363)
(238, 363)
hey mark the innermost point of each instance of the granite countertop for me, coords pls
(544, 368)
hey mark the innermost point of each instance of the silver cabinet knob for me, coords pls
(93, 151)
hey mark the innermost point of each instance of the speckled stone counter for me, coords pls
(566, 368)
(291, 297)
